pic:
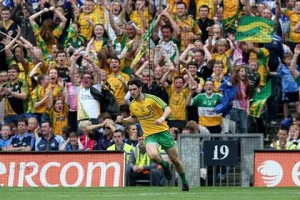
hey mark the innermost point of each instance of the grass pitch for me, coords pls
(145, 193)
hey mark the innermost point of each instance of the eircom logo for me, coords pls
(271, 173)
(277, 169)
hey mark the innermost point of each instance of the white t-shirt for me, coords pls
(87, 106)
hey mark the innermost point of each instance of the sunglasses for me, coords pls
(105, 127)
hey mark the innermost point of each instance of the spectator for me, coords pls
(189, 29)
(100, 38)
(178, 95)
(55, 84)
(9, 26)
(3, 82)
(87, 106)
(73, 143)
(289, 87)
(293, 16)
(58, 116)
(15, 95)
(141, 167)
(62, 66)
(141, 15)
(86, 135)
(40, 99)
(47, 35)
(88, 19)
(32, 125)
(22, 141)
(282, 143)
(205, 20)
(104, 139)
(206, 103)
(5, 137)
(48, 141)
(118, 80)
(74, 40)
(119, 144)
(187, 130)
(131, 134)
(20, 14)
(66, 130)
(241, 104)
(294, 131)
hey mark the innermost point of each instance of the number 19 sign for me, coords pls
(220, 153)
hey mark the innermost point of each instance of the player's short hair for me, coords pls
(136, 82)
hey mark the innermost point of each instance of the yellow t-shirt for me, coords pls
(147, 111)
(35, 96)
(117, 86)
(230, 8)
(224, 59)
(294, 19)
(187, 27)
(177, 102)
(135, 17)
(57, 90)
(85, 28)
(59, 119)
(100, 11)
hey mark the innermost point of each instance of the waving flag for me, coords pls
(255, 29)
(149, 32)
(259, 100)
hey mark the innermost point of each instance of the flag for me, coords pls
(149, 32)
(259, 100)
(255, 29)
(229, 23)
(139, 55)
(71, 31)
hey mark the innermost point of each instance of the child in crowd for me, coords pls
(5, 138)
(289, 87)
(72, 144)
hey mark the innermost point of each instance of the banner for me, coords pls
(60, 169)
(276, 168)
(255, 29)
(259, 100)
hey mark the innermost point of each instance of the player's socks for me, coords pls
(164, 164)
(183, 178)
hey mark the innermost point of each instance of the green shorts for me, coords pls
(164, 139)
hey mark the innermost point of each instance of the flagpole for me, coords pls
(7, 42)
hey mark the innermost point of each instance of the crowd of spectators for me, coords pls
(65, 65)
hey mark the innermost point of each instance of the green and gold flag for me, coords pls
(259, 100)
(149, 32)
(255, 29)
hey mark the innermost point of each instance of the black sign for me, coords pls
(220, 153)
